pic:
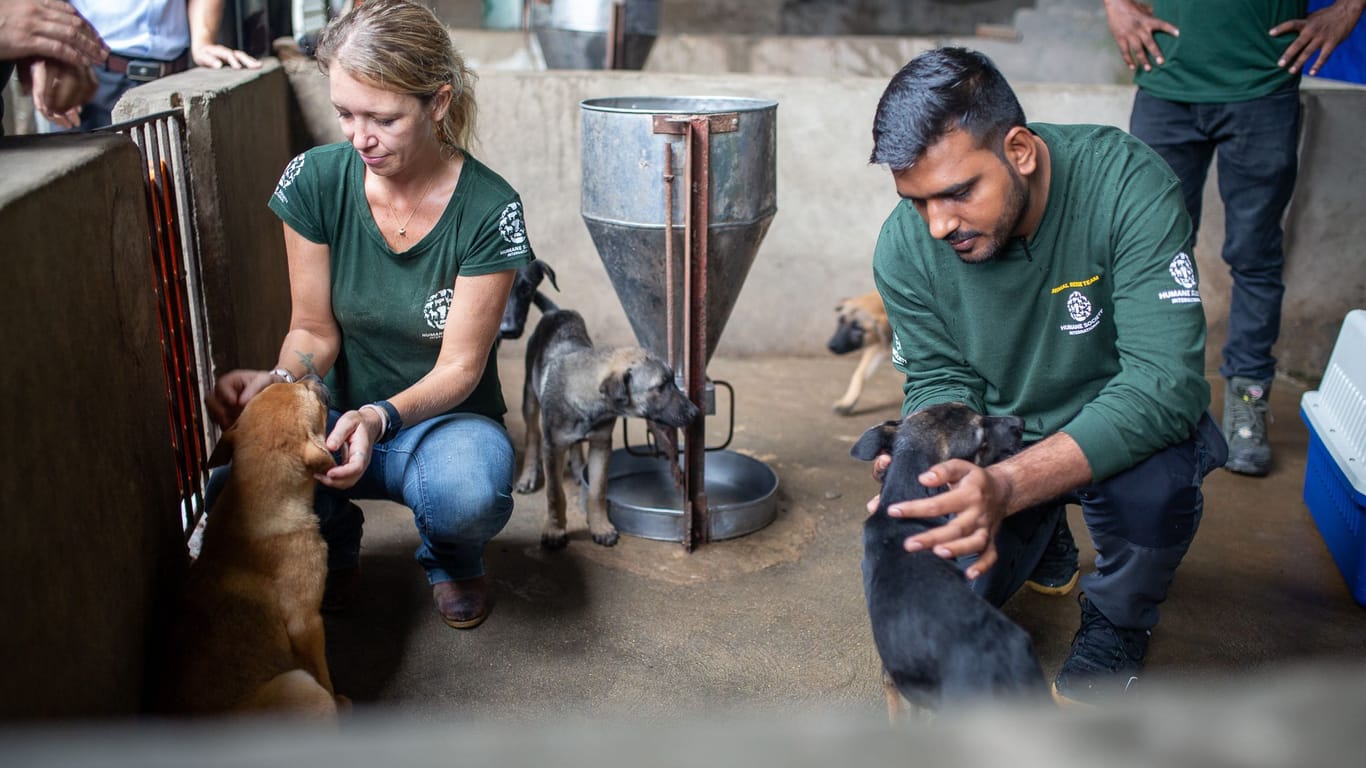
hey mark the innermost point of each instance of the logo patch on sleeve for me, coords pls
(287, 178)
(513, 229)
(1182, 270)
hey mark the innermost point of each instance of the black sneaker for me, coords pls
(1104, 663)
(1245, 417)
(1057, 572)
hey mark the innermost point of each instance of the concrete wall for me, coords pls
(771, 17)
(239, 127)
(88, 502)
(831, 203)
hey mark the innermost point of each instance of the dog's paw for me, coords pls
(553, 541)
(530, 483)
(843, 409)
(607, 538)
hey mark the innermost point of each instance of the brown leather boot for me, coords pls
(462, 604)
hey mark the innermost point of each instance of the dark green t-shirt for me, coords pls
(1224, 53)
(392, 307)
(1094, 328)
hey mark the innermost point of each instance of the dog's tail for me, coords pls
(543, 302)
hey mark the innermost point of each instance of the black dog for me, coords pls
(940, 643)
(525, 292)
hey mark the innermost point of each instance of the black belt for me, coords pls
(146, 70)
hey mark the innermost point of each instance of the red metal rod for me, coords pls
(699, 190)
(669, 253)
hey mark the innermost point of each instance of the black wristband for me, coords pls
(395, 422)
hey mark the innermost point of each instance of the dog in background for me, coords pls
(939, 641)
(862, 325)
(249, 634)
(574, 393)
(525, 292)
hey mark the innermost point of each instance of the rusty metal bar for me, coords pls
(721, 122)
(616, 36)
(669, 253)
(699, 207)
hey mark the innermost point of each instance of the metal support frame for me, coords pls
(696, 131)
(174, 251)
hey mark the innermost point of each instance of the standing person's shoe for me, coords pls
(1105, 660)
(1058, 571)
(1245, 416)
(462, 604)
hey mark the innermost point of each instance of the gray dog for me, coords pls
(574, 393)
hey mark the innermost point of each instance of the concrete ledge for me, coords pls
(88, 503)
(1308, 718)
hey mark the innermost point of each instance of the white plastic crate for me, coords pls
(1335, 470)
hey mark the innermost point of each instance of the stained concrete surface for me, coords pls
(774, 622)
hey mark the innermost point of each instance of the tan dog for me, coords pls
(249, 635)
(574, 394)
(862, 325)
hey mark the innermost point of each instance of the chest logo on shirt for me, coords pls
(510, 224)
(287, 178)
(1084, 314)
(436, 308)
(1183, 272)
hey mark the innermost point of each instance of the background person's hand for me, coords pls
(1322, 32)
(59, 89)
(48, 29)
(1132, 24)
(216, 56)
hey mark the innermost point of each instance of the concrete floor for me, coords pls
(775, 621)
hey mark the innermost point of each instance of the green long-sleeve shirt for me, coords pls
(1093, 328)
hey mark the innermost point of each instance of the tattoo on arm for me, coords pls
(307, 359)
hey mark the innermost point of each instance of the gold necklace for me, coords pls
(403, 228)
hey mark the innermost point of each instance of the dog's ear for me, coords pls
(222, 452)
(316, 456)
(617, 388)
(549, 274)
(875, 441)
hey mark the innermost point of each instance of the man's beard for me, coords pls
(1017, 200)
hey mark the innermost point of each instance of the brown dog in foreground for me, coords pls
(862, 325)
(249, 635)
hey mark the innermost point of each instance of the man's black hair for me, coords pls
(937, 92)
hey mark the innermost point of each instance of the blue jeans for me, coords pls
(1141, 521)
(1256, 142)
(454, 472)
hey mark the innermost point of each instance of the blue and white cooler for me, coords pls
(1335, 471)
